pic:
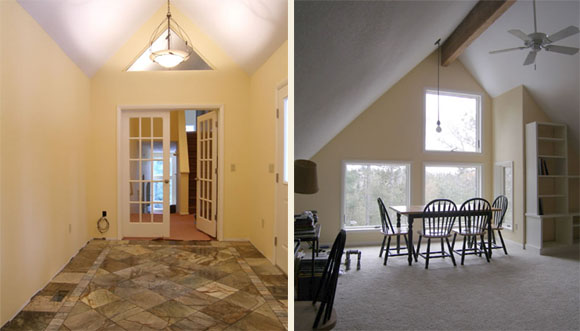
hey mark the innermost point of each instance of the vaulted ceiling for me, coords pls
(348, 54)
(91, 31)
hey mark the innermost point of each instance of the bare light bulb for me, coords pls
(438, 129)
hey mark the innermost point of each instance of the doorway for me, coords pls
(155, 190)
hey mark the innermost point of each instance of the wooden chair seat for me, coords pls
(396, 232)
(469, 232)
(307, 312)
(434, 234)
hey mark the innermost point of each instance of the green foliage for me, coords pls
(364, 183)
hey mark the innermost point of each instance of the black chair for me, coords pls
(319, 314)
(500, 202)
(471, 227)
(437, 227)
(388, 232)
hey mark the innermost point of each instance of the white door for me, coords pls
(145, 170)
(281, 235)
(206, 179)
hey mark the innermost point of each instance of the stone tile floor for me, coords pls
(161, 285)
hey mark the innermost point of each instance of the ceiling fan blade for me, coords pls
(507, 50)
(562, 49)
(531, 58)
(520, 34)
(564, 33)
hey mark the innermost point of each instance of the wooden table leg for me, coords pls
(410, 238)
(489, 236)
(398, 237)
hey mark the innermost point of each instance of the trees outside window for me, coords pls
(364, 182)
(456, 182)
(460, 122)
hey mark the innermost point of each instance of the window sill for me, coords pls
(361, 229)
(452, 152)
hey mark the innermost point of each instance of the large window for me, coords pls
(456, 182)
(364, 182)
(460, 116)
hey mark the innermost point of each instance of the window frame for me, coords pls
(478, 119)
(407, 164)
(499, 187)
(481, 167)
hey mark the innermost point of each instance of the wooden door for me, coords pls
(146, 174)
(206, 218)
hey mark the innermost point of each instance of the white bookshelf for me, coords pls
(550, 222)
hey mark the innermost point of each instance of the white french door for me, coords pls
(281, 228)
(145, 173)
(206, 179)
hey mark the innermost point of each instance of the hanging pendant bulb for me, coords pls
(438, 43)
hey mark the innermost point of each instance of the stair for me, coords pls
(192, 152)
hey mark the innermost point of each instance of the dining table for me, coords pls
(413, 212)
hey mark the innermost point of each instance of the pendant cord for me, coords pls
(168, 26)
(535, 27)
(438, 43)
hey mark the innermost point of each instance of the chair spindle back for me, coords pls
(502, 203)
(474, 223)
(327, 288)
(440, 225)
(385, 219)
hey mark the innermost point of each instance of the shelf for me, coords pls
(549, 215)
(551, 139)
(551, 156)
(574, 176)
(552, 176)
(551, 196)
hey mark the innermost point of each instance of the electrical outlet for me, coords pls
(70, 228)
(262, 223)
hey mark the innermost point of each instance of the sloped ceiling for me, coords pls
(91, 31)
(555, 83)
(347, 54)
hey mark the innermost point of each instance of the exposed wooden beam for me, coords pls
(481, 16)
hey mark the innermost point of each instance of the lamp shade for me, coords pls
(305, 178)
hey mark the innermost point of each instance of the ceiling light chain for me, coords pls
(170, 57)
(438, 43)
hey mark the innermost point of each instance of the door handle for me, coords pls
(166, 181)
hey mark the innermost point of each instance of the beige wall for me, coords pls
(227, 85)
(511, 112)
(508, 145)
(392, 130)
(262, 129)
(45, 103)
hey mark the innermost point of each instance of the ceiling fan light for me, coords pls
(168, 58)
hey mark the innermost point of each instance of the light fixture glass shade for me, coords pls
(168, 58)
(305, 178)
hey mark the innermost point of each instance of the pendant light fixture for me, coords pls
(438, 43)
(177, 50)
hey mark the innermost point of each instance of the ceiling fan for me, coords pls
(537, 41)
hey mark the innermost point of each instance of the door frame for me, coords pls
(278, 168)
(220, 164)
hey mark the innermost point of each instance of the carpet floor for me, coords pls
(519, 291)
